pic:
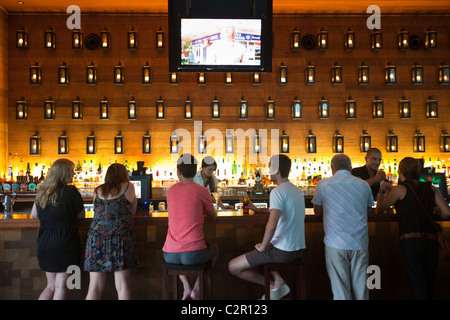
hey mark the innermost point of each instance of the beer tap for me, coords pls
(8, 203)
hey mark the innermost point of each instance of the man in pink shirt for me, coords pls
(187, 202)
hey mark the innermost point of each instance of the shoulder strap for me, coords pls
(126, 188)
(421, 205)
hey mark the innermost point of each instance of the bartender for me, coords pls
(205, 177)
(370, 171)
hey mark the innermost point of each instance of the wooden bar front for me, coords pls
(21, 277)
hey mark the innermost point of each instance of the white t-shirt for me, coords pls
(290, 232)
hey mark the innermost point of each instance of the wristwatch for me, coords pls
(382, 191)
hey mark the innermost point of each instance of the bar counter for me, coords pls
(21, 277)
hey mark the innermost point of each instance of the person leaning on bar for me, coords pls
(185, 243)
(206, 178)
(284, 236)
(415, 203)
(58, 206)
(370, 171)
(345, 202)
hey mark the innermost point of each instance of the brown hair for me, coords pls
(59, 175)
(187, 165)
(115, 176)
(281, 162)
(410, 168)
(207, 162)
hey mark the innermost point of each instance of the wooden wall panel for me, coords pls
(3, 91)
(229, 96)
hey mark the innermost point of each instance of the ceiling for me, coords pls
(280, 7)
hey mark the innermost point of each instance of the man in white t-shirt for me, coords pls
(284, 236)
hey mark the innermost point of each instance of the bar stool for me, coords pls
(203, 271)
(296, 269)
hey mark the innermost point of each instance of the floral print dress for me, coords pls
(110, 245)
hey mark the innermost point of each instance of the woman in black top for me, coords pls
(58, 207)
(414, 203)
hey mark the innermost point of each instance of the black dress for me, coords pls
(58, 244)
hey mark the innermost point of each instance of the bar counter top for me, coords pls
(24, 220)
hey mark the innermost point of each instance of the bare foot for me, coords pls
(194, 294)
(187, 293)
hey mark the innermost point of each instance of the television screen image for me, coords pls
(220, 42)
(137, 188)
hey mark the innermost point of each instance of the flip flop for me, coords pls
(278, 293)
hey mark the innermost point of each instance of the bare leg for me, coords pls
(61, 286)
(240, 268)
(56, 288)
(49, 291)
(187, 291)
(195, 290)
(278, 281)
(122, 282)
(96, 285)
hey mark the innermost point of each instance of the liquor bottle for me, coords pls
(78, 167)
(91, 172)
(42, 177)
(438, 165)
(36, 170)
(10, 168)
(85, 166)
(430, 164)
(29, 177)
(32, 184)
(389, 174)
(395, 172)
(257, 176)
(234, 168)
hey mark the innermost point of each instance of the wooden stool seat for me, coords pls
(297, 270)
(203, 271)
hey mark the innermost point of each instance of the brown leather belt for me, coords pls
(418, 235)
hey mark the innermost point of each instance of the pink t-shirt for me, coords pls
(186, 203)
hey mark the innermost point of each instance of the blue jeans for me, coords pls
(421, 256)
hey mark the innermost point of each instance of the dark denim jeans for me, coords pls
(421, 256)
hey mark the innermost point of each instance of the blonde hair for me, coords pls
(59, 175)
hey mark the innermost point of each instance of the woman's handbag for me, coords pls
(442, 240)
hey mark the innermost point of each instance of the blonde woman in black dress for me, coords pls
(110, 246)
(58, 206)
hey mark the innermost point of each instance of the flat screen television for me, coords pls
(142, 188)
(220, 36)
(438, 180)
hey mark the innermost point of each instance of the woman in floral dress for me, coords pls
(110, 246)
